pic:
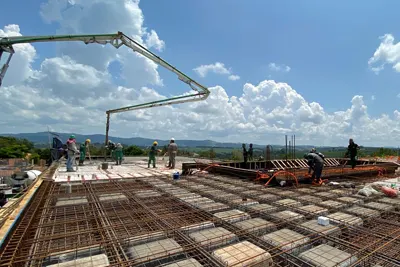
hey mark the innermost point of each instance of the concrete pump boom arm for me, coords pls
(116, 40)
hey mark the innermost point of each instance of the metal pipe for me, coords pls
(286, 143)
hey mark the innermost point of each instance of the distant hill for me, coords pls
(42, 139)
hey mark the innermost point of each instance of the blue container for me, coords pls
(175, 176)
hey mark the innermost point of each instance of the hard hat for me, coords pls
(172, 139)
(88, 140)
(72, 136)
(155, 143)
(313, 150)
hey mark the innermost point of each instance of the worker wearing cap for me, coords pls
(84, 147)
(118, 153)
(152, 154)
(313, 150)
(315, 163)
(71, 151)
(172, 151)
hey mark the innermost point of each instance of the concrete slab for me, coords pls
(261, 208)
(287, 240)
(67, 201)
(310, 199)
(331, 204)
(242, 203)
(325, 195)
(155, 250)
(286, 193)
(243, 254)
(350, 200)
(287, 216)
(185, 263)
(344, 218)
(327, 256)
(363, 212)
(197, 227)
(257, 226)
(287, 202)
(212, 207)
(92, 261)
(391, 201)
(213, 237)
(312, 209)
(112, 197)
(232, 216)
(305, 190)
(312, 227)
(252, 193)
(380, 206)
(267, 198)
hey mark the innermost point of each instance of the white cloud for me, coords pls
(388, 52)
(278, 67)
(234, 77)
(71, 94)
(217, 68)
(373, 97)
(153, 41)
(398, 95)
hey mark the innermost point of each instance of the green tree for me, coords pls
(236, 155)
(133, 151)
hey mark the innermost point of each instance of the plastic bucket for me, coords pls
(175, 175)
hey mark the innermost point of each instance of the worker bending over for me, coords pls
(315, 163)
(352, 150)
(84, 147)
(172, 151)
(313, 150)
(71, 151)
(152, 154)
(118, 153)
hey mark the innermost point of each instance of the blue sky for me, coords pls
(326, 44)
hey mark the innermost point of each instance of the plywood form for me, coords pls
(363, 212)
(287, 240)
(312, 209)
(155, 250)
(67, 201)
(288, 216)
(92, 261)
(262, 208)
(212, 207)
(287, 202)
(310, 199)
(232, 216)
(267, 197)
(243, 254)
(331, 204)
(327, 256)
(213, 237)
(197, 226)
(344, 218)
(257, 226)
(185, 263)
(350, 200)
(380, 206)
(112, 197)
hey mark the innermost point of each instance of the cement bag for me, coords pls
(390, 192)
(367, 191)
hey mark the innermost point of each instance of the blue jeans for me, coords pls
(70, 161)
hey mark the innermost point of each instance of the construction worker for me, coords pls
(71, 151)
(172, 151)
(245, 153)
(352, 150)
(84, 147)
(250, 152)
(152, 154)
(118, 153)
(111, 147)
(315, 163)
(313, 150)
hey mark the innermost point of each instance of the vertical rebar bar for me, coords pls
(286, 150)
